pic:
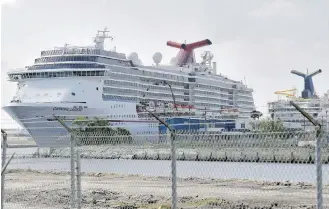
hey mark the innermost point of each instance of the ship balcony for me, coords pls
(147, 97)
(141, 85)
(200, 97)
(209, 101)
(54, 73)
(133, 90)
(146, 79)
(163, 91)
(245, 103)
(247, 96)
(209, 92)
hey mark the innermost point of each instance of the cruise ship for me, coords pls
(90, 81)
(317, 106)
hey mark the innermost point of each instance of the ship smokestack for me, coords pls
(308, 91)
(185, 55)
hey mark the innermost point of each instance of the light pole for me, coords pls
(172, 94)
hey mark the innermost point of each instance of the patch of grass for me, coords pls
(162, 205)
(204, 202)
(124, 205)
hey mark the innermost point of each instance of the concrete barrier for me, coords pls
(282, 155)
(164, 155)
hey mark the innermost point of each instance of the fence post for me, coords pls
(38, 152)
(173, 171)
(4, 153)
(318, 162)
(72, 153)
(78, 163)
(173, 157)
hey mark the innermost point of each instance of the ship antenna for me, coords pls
(100, 37)
(65, 48)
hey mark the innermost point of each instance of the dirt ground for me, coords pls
(32, 189)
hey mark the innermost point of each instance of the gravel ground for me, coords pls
(33, 189)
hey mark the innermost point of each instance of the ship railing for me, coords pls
(82, 50)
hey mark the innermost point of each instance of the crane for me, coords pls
(288, 93)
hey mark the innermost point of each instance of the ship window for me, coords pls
(97, 88)
(73, 94)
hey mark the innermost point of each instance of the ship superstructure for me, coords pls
(316, 106)
(92, 81)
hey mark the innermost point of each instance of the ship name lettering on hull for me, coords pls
(74, 108)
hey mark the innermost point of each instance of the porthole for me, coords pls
(73, 94)
(97, 88)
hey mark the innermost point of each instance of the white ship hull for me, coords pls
(38, 120)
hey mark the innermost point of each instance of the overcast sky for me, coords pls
(256, 39)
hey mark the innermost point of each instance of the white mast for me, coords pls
(100, 37)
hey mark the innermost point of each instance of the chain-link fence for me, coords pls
(34, 178)
(267, 167)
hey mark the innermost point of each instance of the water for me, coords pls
(221, 170)
(21, 151)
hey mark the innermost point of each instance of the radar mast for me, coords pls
(100, 37)
(207, 57)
